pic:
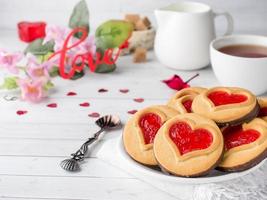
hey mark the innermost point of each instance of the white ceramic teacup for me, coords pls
(249, 73)
(185, 30)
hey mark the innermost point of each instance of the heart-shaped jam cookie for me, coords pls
(188, 145)
(235, 136)
(245, 145)
(188, 140)
(150, 124)
(141, 129)
(219, 98)
(182, 100)
(226, 105)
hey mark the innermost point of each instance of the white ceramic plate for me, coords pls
(214, 176)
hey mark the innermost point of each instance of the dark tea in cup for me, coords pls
(243, 50)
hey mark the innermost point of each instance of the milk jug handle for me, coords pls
(229, 19)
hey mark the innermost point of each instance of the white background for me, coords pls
(250, 15)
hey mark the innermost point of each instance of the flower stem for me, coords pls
(190, 79)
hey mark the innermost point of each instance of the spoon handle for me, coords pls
(80, 154)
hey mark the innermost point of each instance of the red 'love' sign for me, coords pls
(92, 61)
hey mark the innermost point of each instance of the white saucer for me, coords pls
(214, 176)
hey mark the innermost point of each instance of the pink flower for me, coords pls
(31, 90)
(35, 69)
(55, 33)
(87, 46)
(177, 83)
(10, 60)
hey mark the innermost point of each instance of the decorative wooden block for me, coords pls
(139, 55)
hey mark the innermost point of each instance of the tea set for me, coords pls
(186, 40)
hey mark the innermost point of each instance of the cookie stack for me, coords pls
(200, 129)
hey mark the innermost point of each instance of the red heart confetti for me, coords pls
(101, 90)
(139, 100)
(71, 93)
(177, 83)
(132, 112)
(94, 114)
(85, 104)
(52, 105)
(124, 90)
(21, 112)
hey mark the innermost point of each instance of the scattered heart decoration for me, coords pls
(124, 90)
(85, 104)
(52, 105)
(71, 94)
(94, 115)
(102, 90)
(139, 100)
(21, 112)
(187, 140)
(131, 112)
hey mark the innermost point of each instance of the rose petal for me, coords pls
(71, 93)
(85, 104)
(132, 112)
(52, 105)
(177, 83)
(124, 90)
(139, 100)
(102, 90)
(21, 112)
(94, 114)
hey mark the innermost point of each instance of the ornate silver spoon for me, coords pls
(105, 123)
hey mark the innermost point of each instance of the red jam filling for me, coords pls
(150, 124)
(187, 105)
(236, 136)
(222, 98)
(188, 140)
(263, 112)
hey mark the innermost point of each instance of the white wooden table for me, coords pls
(32, 145)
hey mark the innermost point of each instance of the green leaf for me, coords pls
(78, 75)
(80, 17)
(38, 48)
(54, 72)
(104, 68)
(10, 83)
(48, 85)
(113, 33)
(43, 58)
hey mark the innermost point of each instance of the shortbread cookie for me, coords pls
(183, 99)
(245, 145)
(226, 105)
(263, 108)
(188, 145)
(141, 129)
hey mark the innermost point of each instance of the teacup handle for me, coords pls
(230, 21)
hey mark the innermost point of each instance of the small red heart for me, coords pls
(235, 136)
(132, 112)
(222, 98)
(52, 105)
(139, 100)
(85, 104)
(150, 124)
(21, 112)
(124, 90)
(94, 114)
(71, 93)
(102, 90)
(188, 140)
